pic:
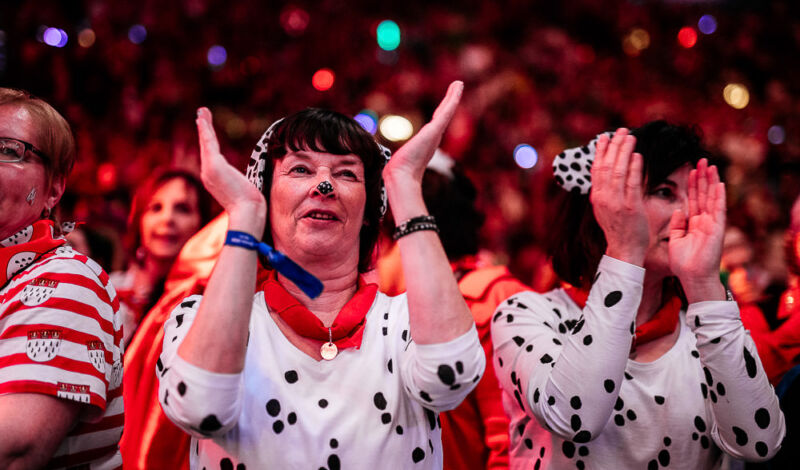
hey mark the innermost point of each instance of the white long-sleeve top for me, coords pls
(372, 407)
(577, 401)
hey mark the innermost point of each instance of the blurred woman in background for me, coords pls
(167, 210)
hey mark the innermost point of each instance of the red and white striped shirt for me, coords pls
(61, 335)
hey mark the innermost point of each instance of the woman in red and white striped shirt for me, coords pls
(60, 328)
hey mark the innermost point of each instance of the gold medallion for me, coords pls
(328, 351)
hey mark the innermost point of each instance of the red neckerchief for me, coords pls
(661, 324)
(20, 250)
(347, 328)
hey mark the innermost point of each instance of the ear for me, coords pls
(55, 192)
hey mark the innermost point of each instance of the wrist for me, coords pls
(635, 257)
(703, 290)
(251, 220)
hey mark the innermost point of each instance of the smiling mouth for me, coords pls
(321, 215)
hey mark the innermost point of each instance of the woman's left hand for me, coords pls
(695, 245)
(410, 160)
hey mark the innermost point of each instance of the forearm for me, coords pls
(437, 310)
(32, 427)
(547, 352)
(227, 303)
(736, 388)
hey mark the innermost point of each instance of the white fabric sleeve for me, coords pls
(747, 420)
(565, 367)
(439, 376)
(202, 403)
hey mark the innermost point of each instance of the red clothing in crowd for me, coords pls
(475, 434)
(779, 349)
(150, 439)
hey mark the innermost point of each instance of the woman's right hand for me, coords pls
(244, 203)
(617, 197)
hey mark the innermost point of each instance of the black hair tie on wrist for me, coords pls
(415, 224)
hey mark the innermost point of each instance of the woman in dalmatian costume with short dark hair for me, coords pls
(352, 378)
(640, 362)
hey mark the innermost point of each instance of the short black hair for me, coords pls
(577, 242)
(322, 130)
(451, 200)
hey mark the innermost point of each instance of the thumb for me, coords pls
(677, 225)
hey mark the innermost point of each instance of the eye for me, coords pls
(663, 192)
(155, 207)
(183, 208)
(9, 151)
(299, 169)
(350, 174)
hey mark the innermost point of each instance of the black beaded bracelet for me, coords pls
(414, 224)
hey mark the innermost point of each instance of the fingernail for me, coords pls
(198, 112)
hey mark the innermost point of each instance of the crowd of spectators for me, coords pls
(549, 74)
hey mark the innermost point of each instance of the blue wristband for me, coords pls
(306, 281)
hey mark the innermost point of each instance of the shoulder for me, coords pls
(556, 301)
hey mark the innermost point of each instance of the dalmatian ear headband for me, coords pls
(258, 161)
(572, 168)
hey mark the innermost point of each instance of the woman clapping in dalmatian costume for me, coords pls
(352, 378)
(640, 361)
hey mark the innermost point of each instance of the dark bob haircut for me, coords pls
(321, 130)
(451, 200)
(577, 242)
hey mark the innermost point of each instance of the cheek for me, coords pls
(147, 225)
(188, 223)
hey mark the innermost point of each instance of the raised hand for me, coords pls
(695, 245)
(411, 159)
(617, 197)
(226, 184)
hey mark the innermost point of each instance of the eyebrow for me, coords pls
(345, 160)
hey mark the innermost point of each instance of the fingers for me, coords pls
(720, 205)
(633, 183)
(599, 164)
(447, 108)
(418, 151)
(702, 185)
(677, 225)
(209, 145)
(613, 165)
(692, 193)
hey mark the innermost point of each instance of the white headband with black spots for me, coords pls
(572, 168)
(258, 162)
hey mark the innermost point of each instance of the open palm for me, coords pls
(695, 245)
(412, 158)
(225, 183)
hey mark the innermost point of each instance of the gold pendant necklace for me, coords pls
(328, 350)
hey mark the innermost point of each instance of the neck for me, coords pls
(6, 232)
(651, 298)
(340, 283)
(155, 269)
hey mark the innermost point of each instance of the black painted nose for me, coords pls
(325, 188)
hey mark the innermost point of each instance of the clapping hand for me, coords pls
(242, 200)
(409, 162)
(617, 197)
(695, 241)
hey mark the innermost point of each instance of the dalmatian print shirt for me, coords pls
(373, 407)
(576, 401)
